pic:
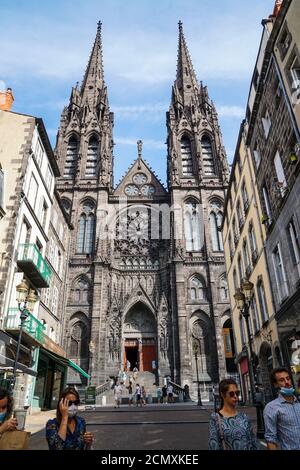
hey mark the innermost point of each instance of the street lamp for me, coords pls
(195, 351)
(243, 297)
(26, 299)
(92, 349)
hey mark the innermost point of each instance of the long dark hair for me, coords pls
(223, 389)
(10, 401)
(64, 393)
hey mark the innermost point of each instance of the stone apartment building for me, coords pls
(32, 214)
(275, 131)
(147, 280)
(269, 142)
(244, 238)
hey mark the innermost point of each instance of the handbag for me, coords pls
(220, 432)
(14, 440)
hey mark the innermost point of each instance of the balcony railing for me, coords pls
(33, 265)
(32, 325)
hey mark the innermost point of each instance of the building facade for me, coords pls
(244, 246)
(30, 204)
(279, 179)
(269, 143)
(147, 280)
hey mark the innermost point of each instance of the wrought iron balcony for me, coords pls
(32, 326)
(33, 265)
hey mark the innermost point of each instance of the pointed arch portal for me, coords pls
(140, 338)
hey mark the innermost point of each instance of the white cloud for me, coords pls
(231, 111)
(151, 111)
(148, 143)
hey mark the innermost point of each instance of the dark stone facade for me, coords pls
(138, 300)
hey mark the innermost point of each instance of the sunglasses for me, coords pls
(232, 394)
(75, 402)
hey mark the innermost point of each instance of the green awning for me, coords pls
(78, 369)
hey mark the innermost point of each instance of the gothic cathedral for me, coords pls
(147, 283)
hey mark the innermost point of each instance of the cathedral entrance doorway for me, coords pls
(139, 333)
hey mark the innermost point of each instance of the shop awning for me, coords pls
(78, 369)
(66, 362)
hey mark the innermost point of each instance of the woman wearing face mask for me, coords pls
(68, 430)
(7, 423)
(228, 428)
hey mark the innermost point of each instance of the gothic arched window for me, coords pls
(71, 157)
(207, 156)
(186, 157)
(193, 226)
(79, 340)
(86, 228)
(92, 156)
(66, 205)
(82, 291)
(197, 288)
(215, 221)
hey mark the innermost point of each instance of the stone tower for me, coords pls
(146, 273)
(198, 176)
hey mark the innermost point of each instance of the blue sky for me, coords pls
(47, 45)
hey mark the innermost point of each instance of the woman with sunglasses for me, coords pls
(68, 430)
(230, 429)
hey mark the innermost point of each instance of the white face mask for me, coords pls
(72, 411)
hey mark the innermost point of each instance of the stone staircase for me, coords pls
(147, 379)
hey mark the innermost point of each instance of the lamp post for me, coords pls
(26, 299)
(243, 297)
(195, 351)
(92, 349)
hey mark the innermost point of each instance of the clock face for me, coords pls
(132, 190)
(140, 178)
(148, 190)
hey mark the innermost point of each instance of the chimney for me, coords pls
(6, 100)
(277, 8)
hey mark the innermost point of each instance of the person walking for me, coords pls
(228, 428)
(282, 415)
(170, 393)
(144, 396)
(159, 395)
(130, 393)
(164, 394)
(68, 430)
(138, 394)
(118, 394)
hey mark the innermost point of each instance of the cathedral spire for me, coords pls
(186, 80)
(93, 80)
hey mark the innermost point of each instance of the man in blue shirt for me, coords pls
(282, 415)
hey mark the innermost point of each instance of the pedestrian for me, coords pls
(144, 396)
(7, 423)
(282, 415)
(164, 394)
(128, 365)
(228, 428)
(170, 394)
(138, 395)
(135, 373)
(68, 430)
(159, 395)
(130, 391)
(118, 394)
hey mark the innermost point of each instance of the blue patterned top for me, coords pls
(237, 431)
(74, 441)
